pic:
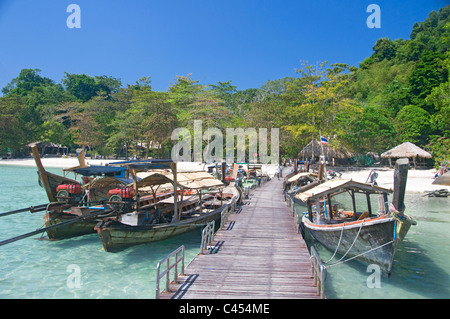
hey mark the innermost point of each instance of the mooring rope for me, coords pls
(351, 246)
(339, 244)
(340, 262)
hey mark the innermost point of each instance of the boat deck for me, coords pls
(257, 254)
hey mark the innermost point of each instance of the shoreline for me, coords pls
(419, 180)
(54, 162)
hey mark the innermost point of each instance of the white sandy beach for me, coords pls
(67, 162)
(419, 180)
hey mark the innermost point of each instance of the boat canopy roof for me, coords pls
(296, 177)
(99, 170)
(338, 185)
(117, 168)
(107, 181)
(190, 180)
(144, 165)
(198, 180)
(155, 178)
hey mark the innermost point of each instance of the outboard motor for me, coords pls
(69, 193)
(123, 195)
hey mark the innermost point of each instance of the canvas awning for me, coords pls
(108, 181)
(99, 170)
(154, 179)
(190, 180)
(296, 177)
(144, 165)
(336, 185)
(406, 149)
(197, 180)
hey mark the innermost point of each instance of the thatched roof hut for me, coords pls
(314, 149)
(408, 150)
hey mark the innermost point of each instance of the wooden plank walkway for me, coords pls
(257, 254)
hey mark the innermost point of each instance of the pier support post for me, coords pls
(400, 177)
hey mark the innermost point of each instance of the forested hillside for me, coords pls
(400, 93)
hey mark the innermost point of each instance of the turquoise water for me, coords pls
(421, 266)
(31, 268)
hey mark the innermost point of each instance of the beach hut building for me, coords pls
(314, 149)
(48, 148)
(408, 150)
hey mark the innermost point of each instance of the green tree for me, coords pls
(51, 132)
(185, 91)
(91, 122)
(27, 80)
(428, 73)
(37, 94)
(440, 99)
(85, 87)
(107, 84)
(224, 91)
(194, 102)
(440, 149)
(384, 49)
(82, 86)
(322, 96)
(15, 131)
(369, 130)
(413, 125)
(154, 117)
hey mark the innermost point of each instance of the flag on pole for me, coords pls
(323, 140)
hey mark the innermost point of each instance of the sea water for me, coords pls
(32, 268)
(421, 267)
(72, 268)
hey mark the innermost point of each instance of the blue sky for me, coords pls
(248, 41)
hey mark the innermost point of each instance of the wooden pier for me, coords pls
(257, 254)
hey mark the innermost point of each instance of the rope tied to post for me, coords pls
(398, 216)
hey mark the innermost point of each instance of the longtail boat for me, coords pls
(205, 202)
(50, 181)
(109, 192)
(443, 178)
(293, 182)
(369, 237)
(64, 195)
(92, 205)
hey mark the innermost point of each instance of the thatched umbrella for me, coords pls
(408, 150)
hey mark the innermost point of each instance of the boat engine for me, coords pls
(121, 198)
(69, 193)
